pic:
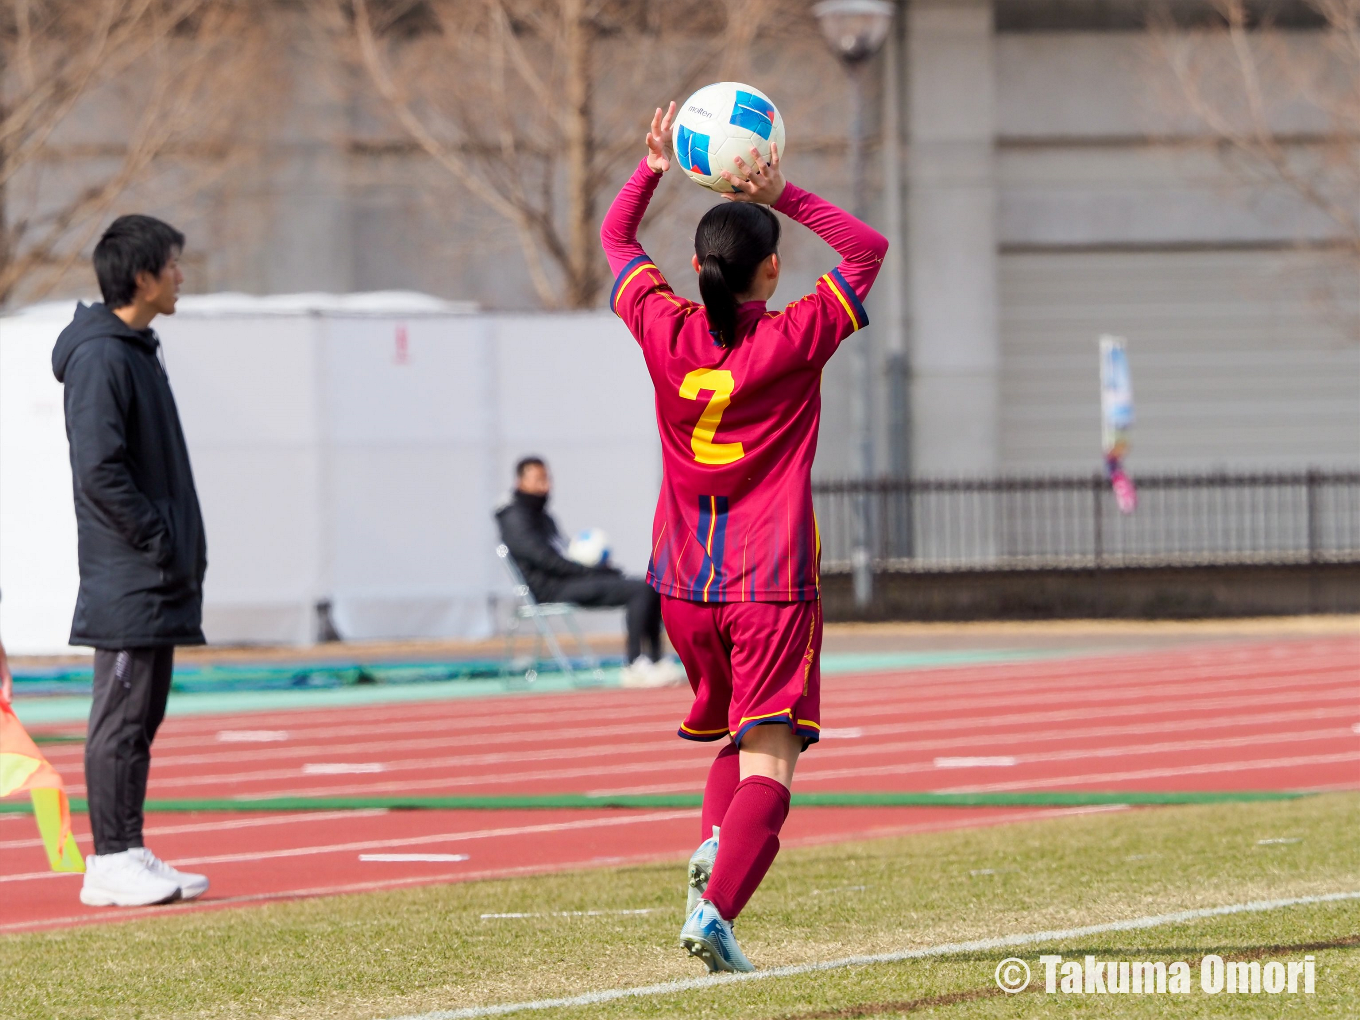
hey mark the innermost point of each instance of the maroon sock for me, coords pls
(748, 844)
(723, 776)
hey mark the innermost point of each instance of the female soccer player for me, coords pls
(735, 549)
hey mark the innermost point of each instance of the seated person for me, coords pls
(531, 535)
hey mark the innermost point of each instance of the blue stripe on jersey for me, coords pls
(712, 533)
(623, 275)
(852, 297)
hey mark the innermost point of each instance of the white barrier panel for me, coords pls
(346, 450)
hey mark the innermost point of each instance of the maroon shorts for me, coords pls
(750, 663)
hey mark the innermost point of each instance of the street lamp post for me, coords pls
(856, 29)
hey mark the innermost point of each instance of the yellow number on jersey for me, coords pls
(719, 383)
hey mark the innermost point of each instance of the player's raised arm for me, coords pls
(859, 245)
(660, 140)
(618, 233)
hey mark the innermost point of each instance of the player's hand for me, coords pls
(6, 679)
(760, 182)
(660, 147)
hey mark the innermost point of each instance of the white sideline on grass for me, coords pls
(947, 949)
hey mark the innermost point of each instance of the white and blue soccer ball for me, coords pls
(590, 548)
(720, 122)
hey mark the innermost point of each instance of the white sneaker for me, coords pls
(191, 886)
(637, 673)
(643, 672)
(669, 673)
(124, 880)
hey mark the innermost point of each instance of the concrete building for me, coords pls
(1054, 193)
(1050, 188)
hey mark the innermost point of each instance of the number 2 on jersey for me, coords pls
(719, 383)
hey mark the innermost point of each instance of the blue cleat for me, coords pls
(700, 868)
(707, 936)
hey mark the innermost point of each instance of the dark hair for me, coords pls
(732, 240)
(525, 463)
(132, 245)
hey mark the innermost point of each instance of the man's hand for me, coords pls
(659, 145)
(6, 679)
(761, 182)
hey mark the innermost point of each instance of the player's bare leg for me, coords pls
(771, 751)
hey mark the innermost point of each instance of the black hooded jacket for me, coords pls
(531, 535)
(142, 548)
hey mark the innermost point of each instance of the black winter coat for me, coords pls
(142, 548)
(531, 535)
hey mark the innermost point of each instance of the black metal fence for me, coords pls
(1046, 522)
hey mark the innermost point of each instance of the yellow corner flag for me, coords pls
(22, 767)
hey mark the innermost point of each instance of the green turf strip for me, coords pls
(675, 800)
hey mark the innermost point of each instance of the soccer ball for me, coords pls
(590, 548)
(722, 121)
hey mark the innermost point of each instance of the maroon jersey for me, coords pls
(734, 521)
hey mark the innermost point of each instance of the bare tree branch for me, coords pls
(533, 106)
(189, 70)
(1241, 80)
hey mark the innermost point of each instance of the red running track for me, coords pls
(1239, 717)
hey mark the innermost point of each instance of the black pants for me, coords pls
(644, 606)
(130, 690)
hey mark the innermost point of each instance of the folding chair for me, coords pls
(540, 612)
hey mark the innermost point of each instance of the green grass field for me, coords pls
(408, 952)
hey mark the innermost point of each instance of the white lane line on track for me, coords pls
(413, 858)
(665, 739)
(438, 722)
(1185, 770)
(976, 727)
(222, 824)
(452, 782)
(251, 736)
(160, 781)
(811, 773)
(1078, 671)
(873, 698)
(380, 844)
(1082, 754)
(860, 750)
(925, 952)
(995, 761)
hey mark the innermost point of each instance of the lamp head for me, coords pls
(855, 28)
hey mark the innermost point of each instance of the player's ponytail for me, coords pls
(732, 240)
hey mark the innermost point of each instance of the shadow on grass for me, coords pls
(902, 1006)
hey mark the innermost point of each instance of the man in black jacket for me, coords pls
(531, 535)
(142, 548)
